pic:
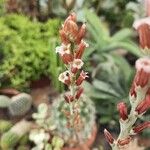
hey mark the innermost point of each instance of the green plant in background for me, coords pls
(5, 126)
(101, 42)
(111, 82)
(10, 138)
(28, 52)
(51, 124)
(17, 105)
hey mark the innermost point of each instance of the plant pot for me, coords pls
(88, 143)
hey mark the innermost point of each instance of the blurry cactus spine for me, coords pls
(17, 105)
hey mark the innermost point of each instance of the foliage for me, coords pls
(111, 82)
(101, 42)
(28, 52)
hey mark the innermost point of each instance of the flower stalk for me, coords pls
(71, 52)
(139, 95)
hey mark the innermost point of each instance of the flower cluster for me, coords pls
(71, 51)
(139, 94)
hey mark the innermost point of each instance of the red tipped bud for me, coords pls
(144, 105)
(143, 28)
(79, 93)
(141, 127)
(122, 110)
(68, 98)
(108, 137)
(125, 141)
(63, 37)
(67, 58)
(80, 50)
(142, 76)
(83, 75)
(81, 33)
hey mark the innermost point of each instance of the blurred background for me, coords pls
(29, 33)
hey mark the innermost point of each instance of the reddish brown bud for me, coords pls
(132, 91)
(81, 33)
(68, 98)
(141, 127)
(108, 137)
(80, 50)
(125, 141)
(63, 37)
(79, 93)
(83, 75)
(67, 58)
(144, 105)
(122, 110)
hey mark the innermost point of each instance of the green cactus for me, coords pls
(5, 126)
(20, 104)
(87, 114)
(4, 101)
(9, 140)
(12, 137)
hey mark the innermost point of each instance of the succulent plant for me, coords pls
(17, 105)
(87, 114)
(4, 101)
(10, 138)
(5, 126)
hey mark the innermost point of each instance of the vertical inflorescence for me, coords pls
(70, 51)
(139, 94)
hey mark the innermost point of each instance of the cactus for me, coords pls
(87, 114)
(12, 137)
(20, 104)
(5, 126)
(4, 101)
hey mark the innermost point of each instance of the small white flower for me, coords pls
(64, 76)
(63, 49)
(77, 63)
(139, 22)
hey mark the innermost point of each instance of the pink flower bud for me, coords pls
(141, 127)
(83, 75)
(79, 92)
(68, 98)
(125, 141)
(143, 28)
(63, 37)
(142, 76)
(122, 110)
(144, 105)
(80, 50)
(81, 33)
(108, 137)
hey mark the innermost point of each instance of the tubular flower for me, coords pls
(142, 77)
(81, 78)
(141, 127)
(77, 64)
(64, 77)
(144, 105)
(108, 136)
(143, 28)
(79, 92)
(71, 51)
(122, 108)
(80, 50)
